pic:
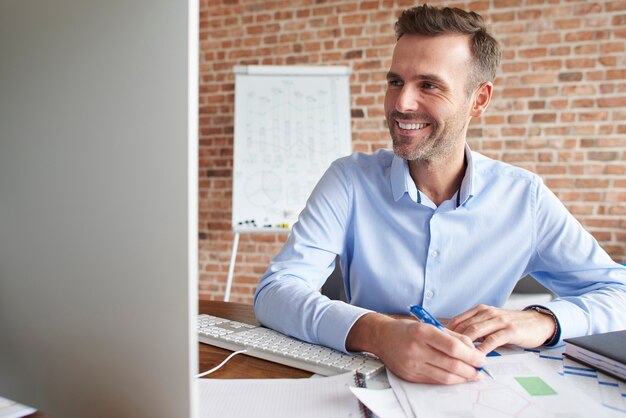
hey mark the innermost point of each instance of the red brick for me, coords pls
(603, 156)
(586, 49)
(581, 209)
(587, 8)
(533, 53)
(559, 183)
(612, 102)
(544, 118)
(612, 196)
(619, 20)
(518, 92)
(579, 90)
(514, 67)
(567, 23)
(510, 28)
(580, 63)
(593, 116)
(353, 19)
(558, 131)
(549, 38)
(368, 5)
(616, 74)
(540, 78)
(582, 36)
(594, 75)
(582, 103)
(548, 91)
(560, 51)
(513, 132)
(612, 47)
(608, 61)
(615, 6)
(591, 183)
(518, 119)
(537, 104)
(547, 65)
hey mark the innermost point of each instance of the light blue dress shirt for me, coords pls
(397, 249)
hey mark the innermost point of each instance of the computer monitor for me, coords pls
(98, 206)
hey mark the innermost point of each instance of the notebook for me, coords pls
(303, 398)
(606, 352)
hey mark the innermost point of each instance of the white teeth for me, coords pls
(412, 125)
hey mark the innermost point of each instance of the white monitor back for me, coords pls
(98, 197)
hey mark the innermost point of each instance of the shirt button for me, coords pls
(429, 294)
(434, 253)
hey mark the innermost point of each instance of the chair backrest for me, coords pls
(333, 288)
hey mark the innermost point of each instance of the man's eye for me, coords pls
(428, 86)
(394, 83)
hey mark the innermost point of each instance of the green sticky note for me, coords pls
(535, 386)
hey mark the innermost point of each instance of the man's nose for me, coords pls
(407, 100)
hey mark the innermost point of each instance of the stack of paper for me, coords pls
(528, 383)
(10, 409)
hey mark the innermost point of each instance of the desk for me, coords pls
(240, 366)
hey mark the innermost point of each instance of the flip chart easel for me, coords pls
(291, 122)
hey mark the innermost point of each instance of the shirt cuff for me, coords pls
(573, 322)
(336, 324)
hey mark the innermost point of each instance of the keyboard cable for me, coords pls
(221, 364)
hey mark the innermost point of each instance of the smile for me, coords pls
(412, 126)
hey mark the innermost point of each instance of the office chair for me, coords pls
(333, 288)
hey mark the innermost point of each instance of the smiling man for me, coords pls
(435, 224)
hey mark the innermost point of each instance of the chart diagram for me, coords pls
(289, 127)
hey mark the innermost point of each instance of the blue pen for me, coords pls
(425, 317)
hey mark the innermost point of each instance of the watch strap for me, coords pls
(556, 336)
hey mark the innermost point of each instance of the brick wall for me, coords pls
(559, 107)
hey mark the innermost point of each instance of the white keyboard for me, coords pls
(270, 345)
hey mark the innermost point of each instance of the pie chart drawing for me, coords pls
(263, 188)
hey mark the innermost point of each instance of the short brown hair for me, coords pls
(432, 21)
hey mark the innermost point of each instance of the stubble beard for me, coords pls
(439, 144)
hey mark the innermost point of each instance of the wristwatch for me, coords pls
(557, 328)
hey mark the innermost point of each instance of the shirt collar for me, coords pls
(467, 185)
(401, 181)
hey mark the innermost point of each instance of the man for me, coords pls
(435, 224)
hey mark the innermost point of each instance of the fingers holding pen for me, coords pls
(460, 347)
(449, 357)
(415, 351)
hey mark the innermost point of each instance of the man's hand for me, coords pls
(497, 327)
(416, 352)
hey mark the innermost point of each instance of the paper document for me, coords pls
(314, 398)
(610, 393)
(396, 385)
(522, 389)
(382, 402)
(10, 409)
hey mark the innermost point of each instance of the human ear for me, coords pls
(481, 99)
